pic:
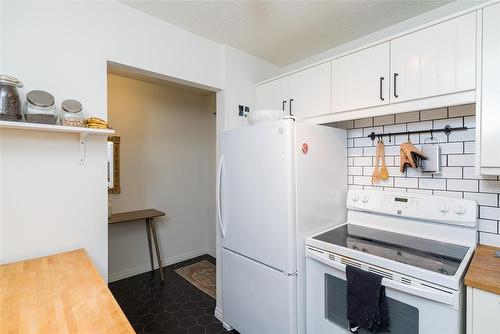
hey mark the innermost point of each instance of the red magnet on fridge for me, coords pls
(305, 148)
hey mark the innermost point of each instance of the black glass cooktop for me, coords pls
(428, 254)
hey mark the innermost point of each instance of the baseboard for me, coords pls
(112, 277)
(218, 316)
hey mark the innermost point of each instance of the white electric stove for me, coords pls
(421, 245)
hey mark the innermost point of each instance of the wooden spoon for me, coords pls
(384, 172)
(376, 173)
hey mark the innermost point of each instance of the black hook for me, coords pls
(390, 138)
(432, 135)
(408, 133)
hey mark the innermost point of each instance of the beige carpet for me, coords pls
(201, 275)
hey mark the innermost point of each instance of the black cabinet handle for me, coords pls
(283, 105)
(291, 100)
(395, 85)
(381, 84)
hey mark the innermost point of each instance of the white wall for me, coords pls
(427, 17)
(63, 47)
(167, 163)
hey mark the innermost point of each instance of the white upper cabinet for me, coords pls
(488, 111)
(361, 79)
(273, 94)
(303, 94)
(311, 91)
(437, 60)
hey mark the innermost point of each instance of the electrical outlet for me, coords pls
(247, 110)
(241, 110)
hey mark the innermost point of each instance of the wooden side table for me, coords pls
(149, 216)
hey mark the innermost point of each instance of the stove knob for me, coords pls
(355, 197)
(459, 210)
(365, 199)
(444, 208)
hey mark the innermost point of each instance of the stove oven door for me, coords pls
(411, 310)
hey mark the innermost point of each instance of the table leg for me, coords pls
(155, 238)
(148, 232)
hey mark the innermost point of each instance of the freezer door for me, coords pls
(256, 298)
(257, 194)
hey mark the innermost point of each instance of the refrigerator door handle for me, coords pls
(218, 197)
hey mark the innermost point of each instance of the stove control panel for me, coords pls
(448, 210)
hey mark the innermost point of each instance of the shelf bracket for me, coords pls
(83, 145)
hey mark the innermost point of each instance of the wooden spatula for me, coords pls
(376, 172)
(384, 172)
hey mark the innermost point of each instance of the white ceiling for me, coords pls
(283, 32)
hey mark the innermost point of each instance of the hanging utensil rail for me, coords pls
(447, 130)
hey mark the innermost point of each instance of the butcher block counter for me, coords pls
(62, 293)
(484, 270)
(483, 292)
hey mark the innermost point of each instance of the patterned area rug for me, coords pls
(201, 275)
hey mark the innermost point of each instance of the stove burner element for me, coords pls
(442, 271)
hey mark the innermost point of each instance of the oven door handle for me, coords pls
(423, 292)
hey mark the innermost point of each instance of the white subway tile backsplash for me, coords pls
(354, 133)
(462, 185)
(454, 194)
(483, 199)
(489, 239)
(450, 173)
(485, 225)
(470, 147)
(489, 186)
(435, 184)
(363, 141)
(487, 212)
(363, 161)
(458, 178)
(420, 191)
(452, 148)
(354, 152)
(462, 135)
(394, 128)
(470, 173)
(470, 121)
(461, 160)
(355, 170)
(453, 122)
(419, 126)
(400, 182)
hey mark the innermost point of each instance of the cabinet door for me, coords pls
(271, 95)
(435, 61)
(490, 102)
(311, 91)
(360, 80)
(485, 312)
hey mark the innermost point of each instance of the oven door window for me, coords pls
(403, 318)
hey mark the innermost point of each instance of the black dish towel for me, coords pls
(366, 301)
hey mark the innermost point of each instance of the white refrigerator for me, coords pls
(277, 183)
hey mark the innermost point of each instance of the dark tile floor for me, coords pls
(176, 307)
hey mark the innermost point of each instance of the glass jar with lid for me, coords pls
(72, 113)
(40, 107)
(10, 102)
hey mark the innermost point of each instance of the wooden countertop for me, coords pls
(484, 270)
(134, 215)
(62, 293)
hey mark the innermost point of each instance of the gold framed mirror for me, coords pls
(114, 165)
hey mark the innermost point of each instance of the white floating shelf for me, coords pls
(83, 132)
(54, 128)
